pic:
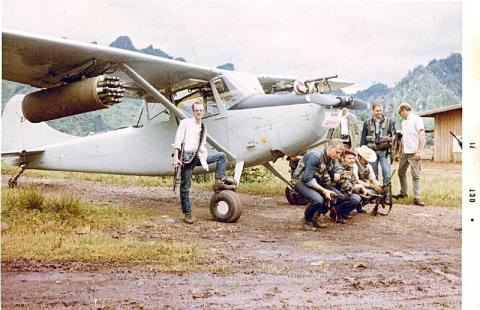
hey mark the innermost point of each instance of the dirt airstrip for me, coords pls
(409, 259)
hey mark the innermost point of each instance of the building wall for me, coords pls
(443, 144)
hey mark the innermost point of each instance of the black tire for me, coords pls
(295, 198)
(225, 206)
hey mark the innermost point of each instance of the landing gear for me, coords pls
(12, 182)
(295, 198)
(225, 206)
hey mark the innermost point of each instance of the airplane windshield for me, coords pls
(234, 86)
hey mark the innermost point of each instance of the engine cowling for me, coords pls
(79, 97)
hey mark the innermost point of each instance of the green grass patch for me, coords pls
(441, 185)
(441, 182)
(63, 229)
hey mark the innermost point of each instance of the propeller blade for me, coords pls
(352, 104)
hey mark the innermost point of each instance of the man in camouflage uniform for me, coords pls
(347, 184)
(364, 172)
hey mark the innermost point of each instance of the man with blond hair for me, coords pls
(313, 165)
(413, 136)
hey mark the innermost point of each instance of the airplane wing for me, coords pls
(45, 62)
(268, 81)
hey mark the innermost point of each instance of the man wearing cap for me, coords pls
(413, 136)
(321, 163)
(378, 132)
(348, 185)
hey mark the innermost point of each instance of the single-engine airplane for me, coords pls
(252, 128)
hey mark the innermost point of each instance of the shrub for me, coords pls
(23, 199)
(65, 206)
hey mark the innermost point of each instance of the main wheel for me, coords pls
(225, 206)
(295, 198)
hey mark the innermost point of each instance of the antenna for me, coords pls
(188, 34)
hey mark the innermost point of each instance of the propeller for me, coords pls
(352, 104)
(339, 102)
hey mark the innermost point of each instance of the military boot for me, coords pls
(222, 184)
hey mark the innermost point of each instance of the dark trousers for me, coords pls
(345, 204)
(317, 202)
(186, 177)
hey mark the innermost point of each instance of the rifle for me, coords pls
(456, 138)
(386, 198)
(177, 175)
(331, 205)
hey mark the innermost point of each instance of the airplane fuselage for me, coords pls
(250, 134)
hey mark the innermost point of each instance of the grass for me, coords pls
(63, 229)
(441, 182)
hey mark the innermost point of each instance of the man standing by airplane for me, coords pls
(190, 141)
(413, 136)
(377, 134)
(347, 129)
(321, 163)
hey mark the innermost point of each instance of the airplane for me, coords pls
(251, 127)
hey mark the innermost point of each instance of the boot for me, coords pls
(187, 218)
(224, 184)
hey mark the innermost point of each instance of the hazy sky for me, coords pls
(362, 41)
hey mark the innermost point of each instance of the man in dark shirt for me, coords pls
(378, 132)
(321, 164)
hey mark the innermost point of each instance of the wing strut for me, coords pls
(277, 173)
(169, 105)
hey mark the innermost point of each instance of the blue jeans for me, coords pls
(384, 159)
(346, 203)
(317, 203)
(186, 177)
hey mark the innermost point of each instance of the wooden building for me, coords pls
(446, 119)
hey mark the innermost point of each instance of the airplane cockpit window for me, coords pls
(203, 95)
(235, 86)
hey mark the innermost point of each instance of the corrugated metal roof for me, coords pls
(440, 110)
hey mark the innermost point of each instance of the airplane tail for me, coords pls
(19, 136)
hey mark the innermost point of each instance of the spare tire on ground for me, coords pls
(225, 206)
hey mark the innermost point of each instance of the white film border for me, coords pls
(471, 157)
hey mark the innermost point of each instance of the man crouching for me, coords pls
(322, 162)
(347, 183)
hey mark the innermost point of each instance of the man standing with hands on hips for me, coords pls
(413, 136)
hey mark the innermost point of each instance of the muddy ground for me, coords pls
(409, 259)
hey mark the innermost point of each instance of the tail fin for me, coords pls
(19, 135)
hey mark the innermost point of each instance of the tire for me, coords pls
(225, 206)
(295, 198)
